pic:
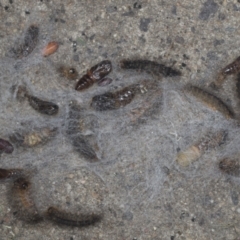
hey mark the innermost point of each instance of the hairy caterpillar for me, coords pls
(69, 219)
(10, 173)
(38, 104)
(115, 100)
(230, 166)
(93, 75)
(5, 146)
(21, 201)
(210, 100)
(209, 141)
(29, 43)
(230, 69)
(68, 72)
(32, 139)
(150, 66)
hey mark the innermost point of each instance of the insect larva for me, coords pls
(44, 107)
(150, 66)
(104, 82)
(209, 141)
(5, 146)
(21, 201)
(230, 166)
(29, 43)
(32, 139)
(230, 69)
(50, 48)
(69, 219)
(10, 173)
(210, 100)
(68, 72)
(93, 75)
(111, 101)
(82, 146)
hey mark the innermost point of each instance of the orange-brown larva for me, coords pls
(50, 48)
(192, 153)
(21, 200)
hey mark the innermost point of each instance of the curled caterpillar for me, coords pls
(32, 139)
(210, 101)
(38, 104)
(69, 219)
(230, 166)
(22, 202)
(93, 75)
(10, 173)
(115, 100)
(209, 141)
(5, 146)
(29, 43)
(68, 72)
(150, 67)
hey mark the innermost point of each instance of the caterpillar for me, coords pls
(230, 69)
(115, 100)
(209, 141)
(230, 166)
(68, 72)
(210, 101)
(44, 107)
(29, 43)
(6, 146)
(63, 218)
(93, 75)
(32, 139)
(22, 202)
(150, 67)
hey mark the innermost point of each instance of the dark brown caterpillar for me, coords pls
(29, 43)
(210, 141)
(68, 72)
(111, 101)
(238, 85)
(69, 219)
(210, 101)
(230, 166)
(150, 67)
(5, 146)
(38, 104)
(21, 201)
(230, 69)
(32, 139)
(93, 75)
(10, 173)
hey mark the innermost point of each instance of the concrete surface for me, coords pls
(137, 184)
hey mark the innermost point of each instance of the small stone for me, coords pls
(144, 22)
(209, 9)
(127, 216)
(76, 58)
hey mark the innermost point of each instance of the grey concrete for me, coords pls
(137, 184)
